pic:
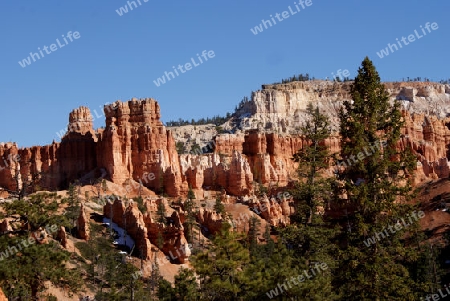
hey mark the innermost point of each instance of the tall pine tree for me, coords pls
(310, 237)
(375, 190)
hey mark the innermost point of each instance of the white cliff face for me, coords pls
(429, 98)
(281, 108)
(194, 134)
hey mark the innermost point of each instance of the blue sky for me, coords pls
(119, 57)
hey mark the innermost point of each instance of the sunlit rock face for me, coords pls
(258, 145)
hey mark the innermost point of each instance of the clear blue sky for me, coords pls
(119, 57)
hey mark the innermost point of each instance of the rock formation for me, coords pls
(83, 228)
(210, 219)
(5, 226)
(275, 211)
(146, 231)
(171, 236)
(135, 143)
(136, 146)
(129, 217)
(62, 237)
(2, 295)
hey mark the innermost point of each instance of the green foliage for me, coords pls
(262, 190)
(374, 190)
(40, 210)
(191, 194)
(219, 207)
(310, 237)
(373, 186)
(242, 103)
(165, 290)
(25, 273)
(27, 268)
(220, 130)
(108, 270)
(140, 203)
(301, 77)
(161, 182)
(190, 221)
(195, 148)
(73, 208)
(314, 158)
(186, 287)
(160, 240)
(180, 147)
(219, 267)
(216, 120)
(161, 213)
(346, 79)
(104, 185)
(254, 224)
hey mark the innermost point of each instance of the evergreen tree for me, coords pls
(38, 211)
(191, 194)
(186, 287)
(190, 220)
(219, 207)
(25, 273)
(73, 208)
(376, 187)
(161, 213)
(268, 272)
(254, 225)
(26, 268)
(269, 243)
(165, 291)
(312, 189)
(310, 237)
(220, 268)
(180, 147)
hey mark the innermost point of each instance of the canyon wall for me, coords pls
(136, 143)
(133, 145)
(265, 135)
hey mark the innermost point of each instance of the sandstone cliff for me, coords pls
(135, 145)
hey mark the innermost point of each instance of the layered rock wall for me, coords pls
(135, 145)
